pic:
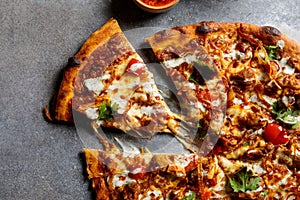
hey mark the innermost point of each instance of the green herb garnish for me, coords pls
(202, 71)
(246, 144)
(273, 52)
(200, 124)
(264, 193)
(244, 181)
(193, 77)
(191, 196)
(106, 110)
(286, 115)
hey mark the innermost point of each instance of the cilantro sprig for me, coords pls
(191, 196)
(106, 110)
(284, 114)
(273, 52)
(244, 181)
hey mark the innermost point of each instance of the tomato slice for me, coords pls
(206, 195)
(138, 173)
(139, 70)
(276, 134)
(133, 61)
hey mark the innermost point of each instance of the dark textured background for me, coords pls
(41, 160)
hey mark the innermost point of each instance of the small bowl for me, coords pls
(155, 9)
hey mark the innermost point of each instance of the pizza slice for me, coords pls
(197, 79)
(117, 175)
(108, 82)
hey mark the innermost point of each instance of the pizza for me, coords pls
(256, 70)
(239, 85)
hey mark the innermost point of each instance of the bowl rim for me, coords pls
(157, 7)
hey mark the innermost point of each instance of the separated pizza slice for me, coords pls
(108, 82)
(117, 175)
(198, 81)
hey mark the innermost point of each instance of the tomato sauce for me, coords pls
(157, 2)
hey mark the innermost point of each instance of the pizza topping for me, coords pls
(135, 66)
(152, 110)
(202, 72)
(280, 44)
(122, 90)
(285, 114)
(138, 173)
(178, 61)
(273, 52)
(276, 134)
(244, 181)
(119, 180)
(96, 84)
(285, 67)
(106, 110)
(190, 195)
(236, 55)
(92, 113)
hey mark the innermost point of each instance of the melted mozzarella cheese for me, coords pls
(137, 170)
(92, 113)
(190, 85)
(234, 54)
(285, 68)
(200, 106)
(280, 44)
(178, 61)
(268, 99)
(137, 66)
(119, 180)
(183, 160)
(120, 91)
(94, 84)
(149, 86)
(237, 101)
(149, 110)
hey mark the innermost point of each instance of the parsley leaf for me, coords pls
(191, 196)
(273, 52)
(286, 115)
(244, 181)
(106, 110)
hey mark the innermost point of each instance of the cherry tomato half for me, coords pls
(276, 134)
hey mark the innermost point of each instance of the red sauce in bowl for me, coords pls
(157, 2)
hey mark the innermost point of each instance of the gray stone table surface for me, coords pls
(40, 160)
